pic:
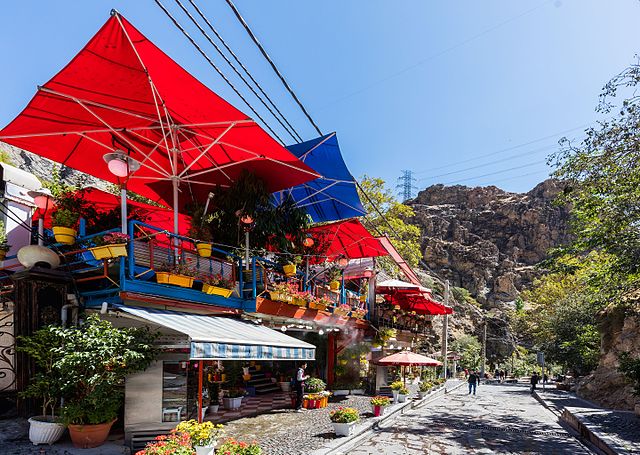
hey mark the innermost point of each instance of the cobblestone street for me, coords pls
(500, 419)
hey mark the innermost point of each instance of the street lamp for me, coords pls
(248, 224)
(43, 199)
(342, 261)
(121, 165)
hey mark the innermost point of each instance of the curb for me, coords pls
(366, 430)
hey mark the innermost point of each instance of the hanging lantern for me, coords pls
(308, 242)
(342, 261)
(42, 198)
(246, 220)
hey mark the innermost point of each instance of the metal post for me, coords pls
(445, 332)
(543, 382)
(41, 230)
(200, 381)
(484, 349)
(123, 208)
(306, 275)
(246, 249)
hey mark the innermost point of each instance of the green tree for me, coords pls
(404, 236)
(469, 349)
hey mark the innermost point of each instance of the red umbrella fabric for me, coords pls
(407, 358)
(420, 303)
(347, 238)
(122, 93)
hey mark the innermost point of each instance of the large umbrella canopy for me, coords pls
(333, 196)
(347, 238)
(407, 358)
(122, 93)
(419, 303)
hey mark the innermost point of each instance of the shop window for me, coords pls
(174, 391)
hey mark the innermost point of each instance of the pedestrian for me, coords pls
(503, 375)
(534, 381)
(545, 378)
(299, 386)
(473, 380)
(466, 373)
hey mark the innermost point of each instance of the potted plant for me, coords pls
(314, 385)
(172, 444)
(359, 313)
(403, 393)
(290, 267)
(378, 404)
(343, 420)
(280, 292)
(4, 244)
(217, 285)
(46, 384)
(301, 298)
(64, 225)
(383, 335)
(204, 436)
(320, 304)
(425, 387)
(111, 245)
(96, 359)
(333, 275)
(201, 235)
(342, 310)
(233, 398)
(180, 275)
(233, 447)
(213, 390)
(395, 388)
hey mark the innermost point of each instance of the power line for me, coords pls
(493, 173)
(226, 46)
(204, 54)
(406, 185)
(273, 66)
(249, 86)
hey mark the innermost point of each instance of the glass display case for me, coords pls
(174, 390)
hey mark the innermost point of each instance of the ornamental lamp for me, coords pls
(308, 242)
(342, 261)
(120, 164)
(42, 198)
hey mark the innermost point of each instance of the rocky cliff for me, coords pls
(488, 241)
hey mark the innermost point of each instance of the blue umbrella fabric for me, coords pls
(333, 196)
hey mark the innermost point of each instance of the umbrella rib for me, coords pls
(147, 156)
(304, 155)
(317, 191)
(223, 166)
(209, 157)
(204, 152)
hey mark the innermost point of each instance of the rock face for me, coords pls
(606, 386)
(488, 241)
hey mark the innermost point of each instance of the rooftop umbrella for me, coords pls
(348, 239)
(334, 195)
(121, 94)
(407, 358)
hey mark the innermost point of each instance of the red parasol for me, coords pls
(408, 358)
(349, 239)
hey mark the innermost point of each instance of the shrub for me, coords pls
(233, 447)
(380, 401)
(314, 385)
(425, 386)
(397, 385)
(344, 415)
(65, 218)
(630, 368)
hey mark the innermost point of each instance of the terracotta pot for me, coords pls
(88, 436)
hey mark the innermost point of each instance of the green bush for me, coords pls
(314, 385)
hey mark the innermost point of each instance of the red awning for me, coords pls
(122, 93)
(160, 217)
(347, 238)
(421, 303)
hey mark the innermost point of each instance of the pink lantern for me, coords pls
(343, 261)
(246, 219)
(308, 242)
(118, 167)
(42, 198)
(120, 164)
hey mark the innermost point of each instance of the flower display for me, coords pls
(403, 391)
(397, 385)
(217, 280)
(314, 385)
(201, 434)
(233, 447)
(114, 238)
(344, 415)
(173, 444)
(380, 401)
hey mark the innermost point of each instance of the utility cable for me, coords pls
(226, 46)
(204, 54)
(215, 46)
(273, 66)
(493, 173)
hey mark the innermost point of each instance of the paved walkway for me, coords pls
(503, 419)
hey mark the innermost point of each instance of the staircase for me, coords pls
(262, 384)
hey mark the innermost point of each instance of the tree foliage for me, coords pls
(404, 236)
(469, 349)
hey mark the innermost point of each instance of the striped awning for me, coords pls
(218, 338)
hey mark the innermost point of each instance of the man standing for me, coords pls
(473, 380)
(534, 381)
(299, 384)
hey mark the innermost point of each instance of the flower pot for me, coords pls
(402, 398)
(204, 450)
(395, 395)
(299, 302)
(289, 269)
(341, 392)
(378, 410)
(343, 429)
(88, 436)
(357, 391)
(246, 377)
(285, 386)
(215, 290)
(362, 298)
(204, 249)
(213, 408)
(65, 235)
(44, 430)
(421, 395)
(334, 285)
(340, 312)
(115, 250)
(232, 403)
(204, 412)
(276, 296)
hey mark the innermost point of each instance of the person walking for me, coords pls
(534, 381)
(473, 380)
(299, 386)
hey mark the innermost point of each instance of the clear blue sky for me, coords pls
(442, 88)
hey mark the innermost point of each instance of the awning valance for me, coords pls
(218, 338)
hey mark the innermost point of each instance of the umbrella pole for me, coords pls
(123, 207)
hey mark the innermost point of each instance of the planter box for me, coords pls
(44, 430)
(289, 269)
(215, 290)
(334, 285)
(204, 249)
(317, 306)
(213, 408)
(343, 429)
(115, 250)
(232, 403)
(178, 280)
(341, 312)
(299, 302)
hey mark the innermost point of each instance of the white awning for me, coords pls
(218, 338)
